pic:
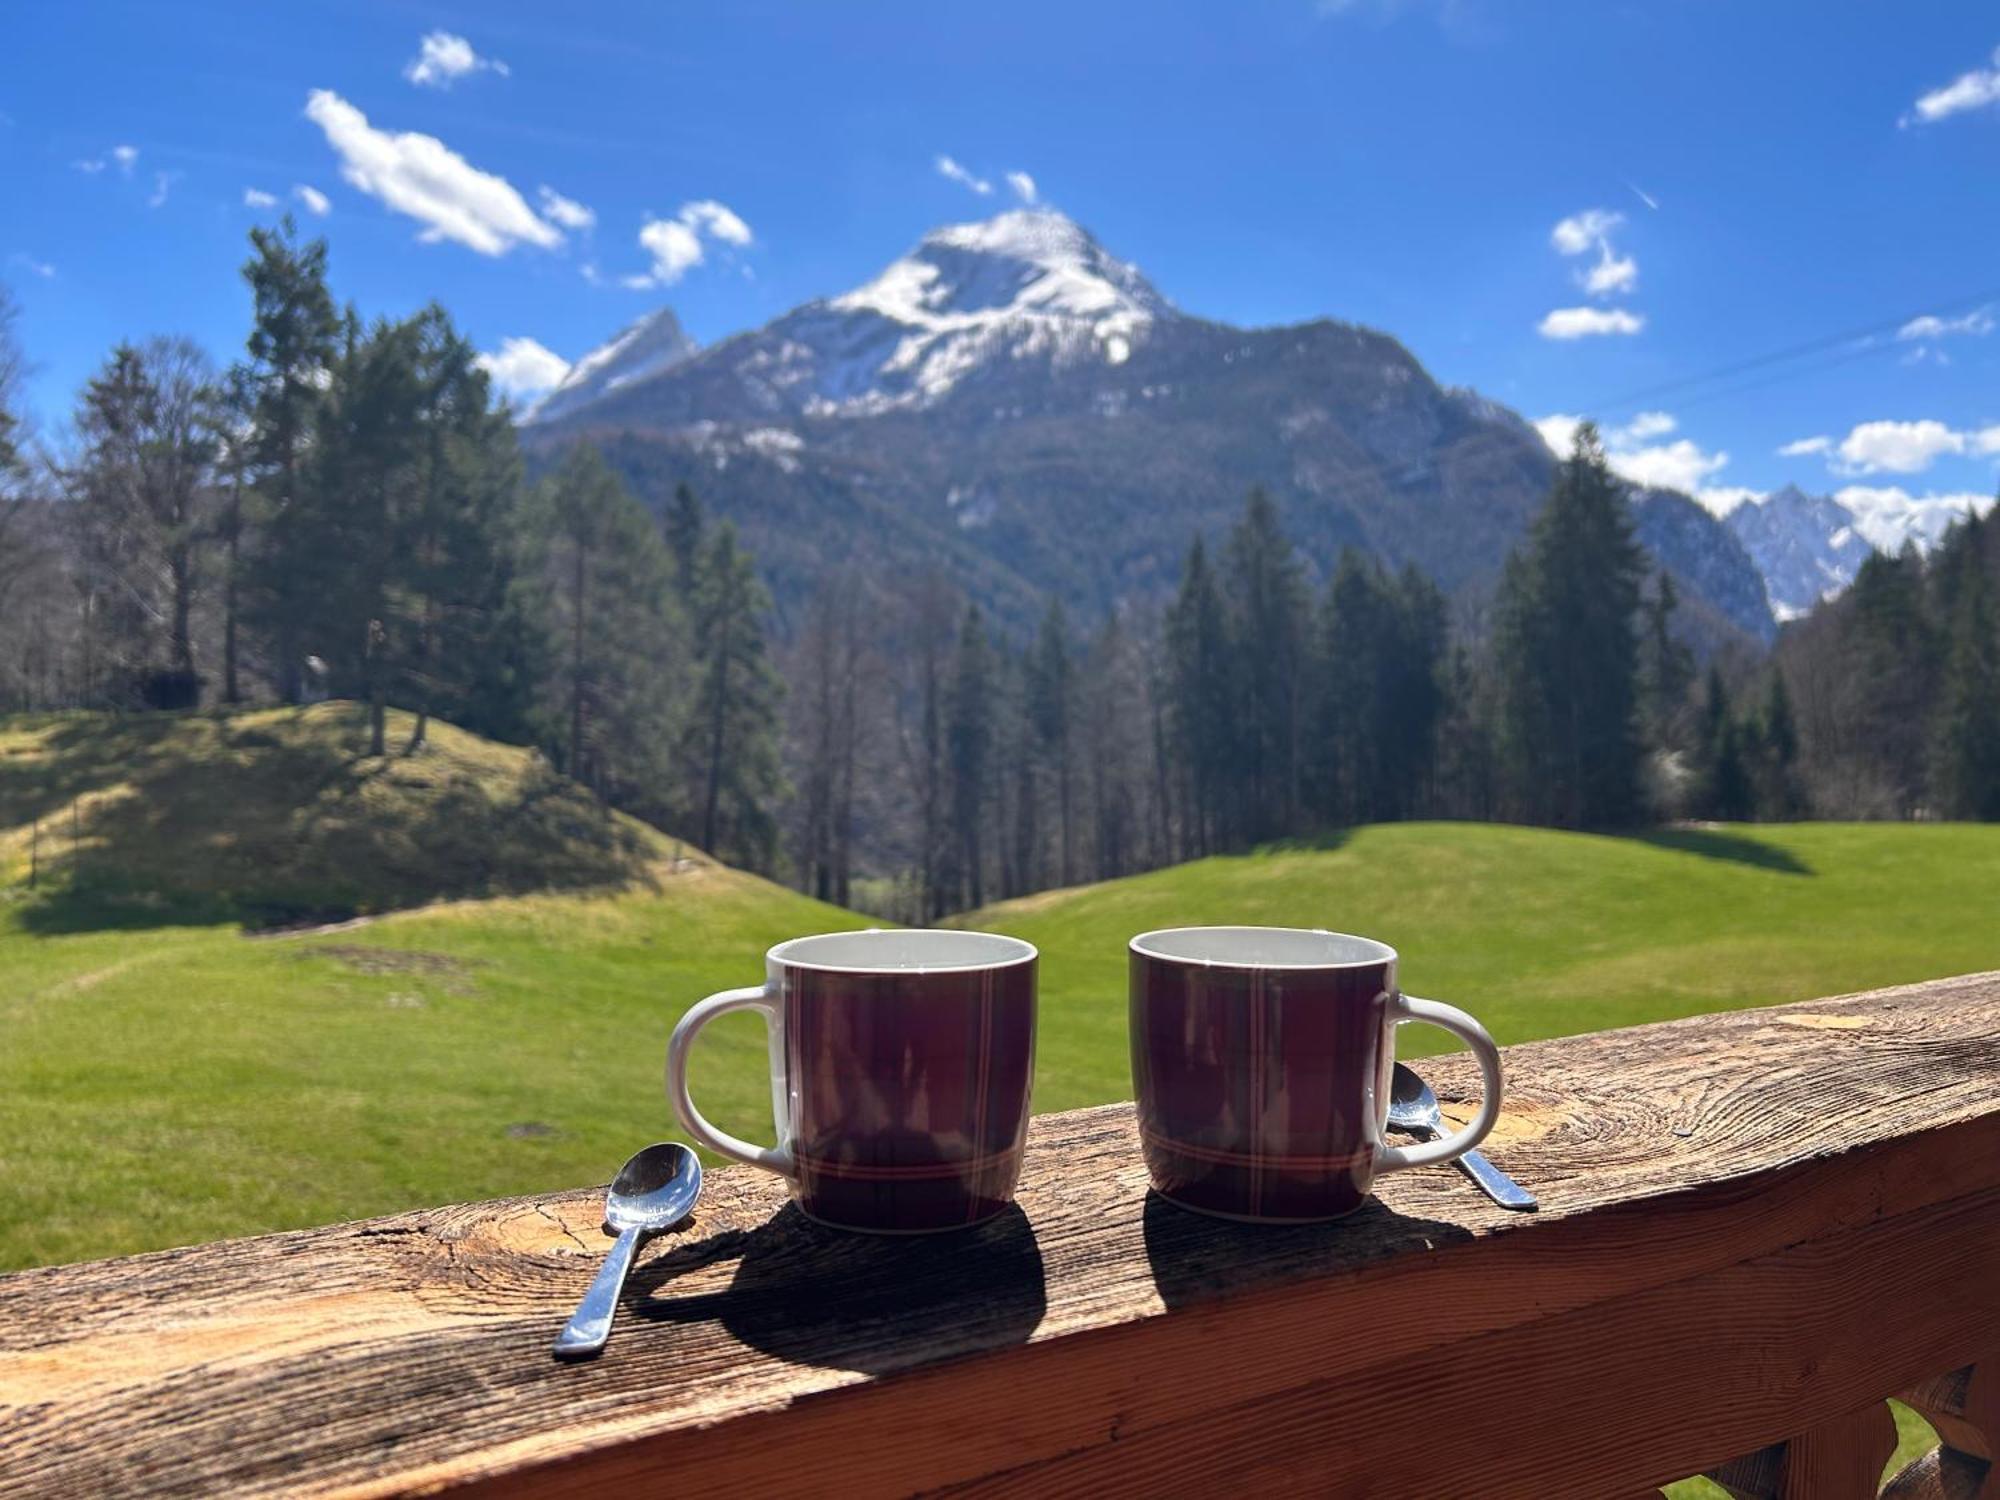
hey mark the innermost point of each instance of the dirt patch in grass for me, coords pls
(455, 974)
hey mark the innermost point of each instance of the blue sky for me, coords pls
(1712, 182)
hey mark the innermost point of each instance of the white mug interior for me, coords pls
(922, 950)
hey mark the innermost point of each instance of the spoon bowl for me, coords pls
(655, 1190)
(652, 1192)
(1413, 1107)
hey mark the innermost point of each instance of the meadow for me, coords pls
(178, 1069)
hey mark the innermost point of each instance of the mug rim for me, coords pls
(1382, 953)
(1024, 951)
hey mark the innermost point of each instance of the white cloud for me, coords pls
(1974, 90)
(1680, 465)
(1023, 186)
(127, 157)
(91, 165)
(566, 211)
(442, 59)
(420, 176)
(1648, 424)
(716, 220)
(34, 267)
(1804, 447)
(677, 245)
(523, 368)
(674, 246)
(258, 198)
(1588, 322)
(1611, 273)
(1722, 499)
(1558, 430)
(1585, 231)
(316, 202)
(1890, 515)
(163, 183)
(1897, 447)
(1975, 324)
(949, 168)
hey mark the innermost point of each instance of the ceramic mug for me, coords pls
(1261, 1058)
(900, 1069)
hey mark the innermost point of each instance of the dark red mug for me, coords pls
(900, 1069)
(1261, 1058)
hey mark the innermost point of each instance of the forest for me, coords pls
(344, 510)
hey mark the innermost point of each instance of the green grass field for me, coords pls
(172, 1072)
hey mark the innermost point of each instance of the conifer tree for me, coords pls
(686, 532)
(1049, 692)
(1566, 653)
(294, 337)
(1269, 611)
(597, 582)
(1965, 734)
(734, 732)
(969, 736)
(1201, 697)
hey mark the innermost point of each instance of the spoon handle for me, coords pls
(590, 1325)
(1495, 1183)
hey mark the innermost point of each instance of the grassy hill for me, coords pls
(277, 814)
(172, 1074)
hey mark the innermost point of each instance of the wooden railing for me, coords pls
(1755, 1227)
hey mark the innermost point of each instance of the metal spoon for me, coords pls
(652, 1192)
(1413, 1107)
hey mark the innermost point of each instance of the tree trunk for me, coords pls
(718, 719)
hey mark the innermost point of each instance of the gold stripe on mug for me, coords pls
(1262, 1160)
(919, 1172)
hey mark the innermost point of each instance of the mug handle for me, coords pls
(764, 999)
(1446, 1147)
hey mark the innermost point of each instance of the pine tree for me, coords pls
(294, 336)
(1666, 666)
(1965, 732)
(1566, 652)
(597, 582)
(686, 533)
(1778, 790)
(969, 734)
(1269, 612)
(1201, 695)
(1049, 692)
(737, 701)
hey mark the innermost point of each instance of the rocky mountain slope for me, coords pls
(1015, 403)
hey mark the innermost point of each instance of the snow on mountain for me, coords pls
(1806, 546)
(653, 344)
(1025, 284)
(1809, 547)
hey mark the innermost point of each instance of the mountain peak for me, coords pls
(656, 342)
(1025, 265)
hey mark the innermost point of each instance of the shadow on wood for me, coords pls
(873, 1303)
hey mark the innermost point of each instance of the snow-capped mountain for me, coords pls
(1014, 404)
(653, 344)
(1808, 547)
(1027, 285)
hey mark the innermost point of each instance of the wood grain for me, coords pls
(1753, 1225)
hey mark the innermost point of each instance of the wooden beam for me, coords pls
(1752, 1225)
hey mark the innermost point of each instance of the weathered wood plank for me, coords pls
(1731, 1205)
